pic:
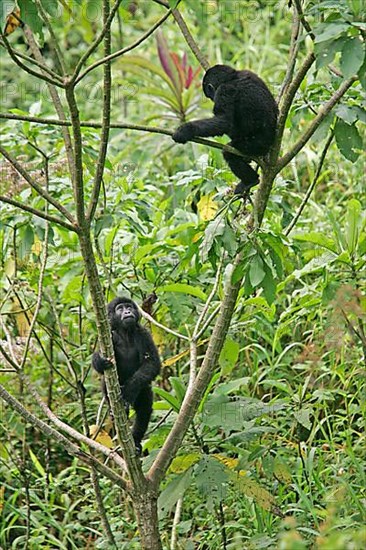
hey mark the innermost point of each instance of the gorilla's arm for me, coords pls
(149, 369)
(206, 127)
(218, 125)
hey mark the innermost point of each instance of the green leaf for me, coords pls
(173, 492)
(319, 239)
(256, 270)
(269, 285)
(29, 14)
(303, 418)
(353, 224)
(353, 55)
(348, 140)
(169, 398)
(184, 289)
(211, 479)
(330, 31)
(228, 356)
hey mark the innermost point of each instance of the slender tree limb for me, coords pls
(132, 46)
(55, 45)
(70, 447)
(40, 75)
(311, 186)
(294, 50)
(54, 96)
(287, 100)
(124, 126)
(41, 66)
(62, 426)
(203, 61)
(106, 120)
(302, 18)
(38, 213)
(106, 28)
(163, 327)
(194, 395)
(78, 170)
(42, 192)
(323, 111)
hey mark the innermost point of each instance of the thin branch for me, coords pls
(40, 76)
(78, 170)
(311, 186)
(302, 18)
(55, 98)
(54, 41)
(163, 327)
(137, 127)
(134, 45)
(70, 447)
(106, 120)
(194, 395)
(202, 60)
(196, 330)
(323, 111)
(36, 63)
(289, 96)
(81, 438)
(294, 50)
(95, 44)
(38, 213)
(18, 167)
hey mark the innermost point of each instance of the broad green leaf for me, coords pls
(173, 492)
(348, 140)
(353, 224)
(353, 55)
(169, 398)
(330, 31)
(256, 270)
(319, 239)
(228, 356)
(29, 14)
(303, 418)
(184, 288)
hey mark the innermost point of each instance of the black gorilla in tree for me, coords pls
(245, 110)
(137, 361)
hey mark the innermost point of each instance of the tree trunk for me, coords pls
(146, 509)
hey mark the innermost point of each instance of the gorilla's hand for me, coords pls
(184, 133)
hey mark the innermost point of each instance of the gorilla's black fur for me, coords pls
(137, 360)
(245, 110)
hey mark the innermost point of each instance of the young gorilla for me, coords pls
(137, 360)
(245, 110)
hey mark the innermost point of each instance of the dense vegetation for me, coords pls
(275, 455)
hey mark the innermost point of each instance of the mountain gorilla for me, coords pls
(137, 361)
(245, 110)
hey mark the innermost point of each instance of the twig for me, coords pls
(311, 186)
(38, 213)
(176, 520)
(54, 96)
(106, 120)
(294, 50)
(323, 111)
(202, 60)
(132, 46)
(18, 167)
(36, 63)
(163, 327)
(106, 28)
(68, 445)
(40, 75)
